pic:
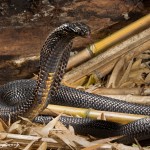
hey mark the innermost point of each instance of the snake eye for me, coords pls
(77, 29)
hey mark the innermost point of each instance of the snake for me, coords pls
(28, 97)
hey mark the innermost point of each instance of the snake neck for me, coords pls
(54, 53)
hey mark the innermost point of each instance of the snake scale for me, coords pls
(28, 98)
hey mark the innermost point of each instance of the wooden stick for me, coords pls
(111, 146)
(139, 42)
(117, 91)
(99, 147)
(23, 140)
(121, 91)
(107, 42)
(83, 112)
(27, 137)
(145, 100)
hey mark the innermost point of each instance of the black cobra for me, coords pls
(28, 97)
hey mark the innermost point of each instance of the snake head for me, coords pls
(78, 29)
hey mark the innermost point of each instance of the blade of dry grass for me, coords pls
(46, 129)
(126, 74)
(124, 147)
(147, 79)
(29, 146)
(115, 74)
(43, 146)
(99, 147)
(27, 137)
(105, 69)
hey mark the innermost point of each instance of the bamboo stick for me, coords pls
(99, 147)
(27, 137)
(145, 100)
(23, 140)
(118, 91)
(139, 42)
(113, 146)
(83, 112)
(107, 42)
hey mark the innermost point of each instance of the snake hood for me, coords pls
(75, 29)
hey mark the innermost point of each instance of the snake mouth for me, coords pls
(88, 36)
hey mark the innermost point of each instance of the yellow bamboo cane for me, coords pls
(95, 114)
(109, 41)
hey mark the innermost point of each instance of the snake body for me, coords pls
(28, 98)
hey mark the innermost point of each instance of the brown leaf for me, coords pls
(136, 64)
(128, 84)
(43, 146)
(124, 147)
(29, 145)
(69, 138)
(3, 136)
(116, 72)
(27, 120)
(16, 127)
(46, 129)
(147, 79)
(99, 147)
(3, 126)
(64, 134)
(126, 74)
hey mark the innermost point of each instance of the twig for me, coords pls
(27, 137)
(83, 112)
(118, 91)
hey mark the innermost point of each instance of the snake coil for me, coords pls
(28, 98)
